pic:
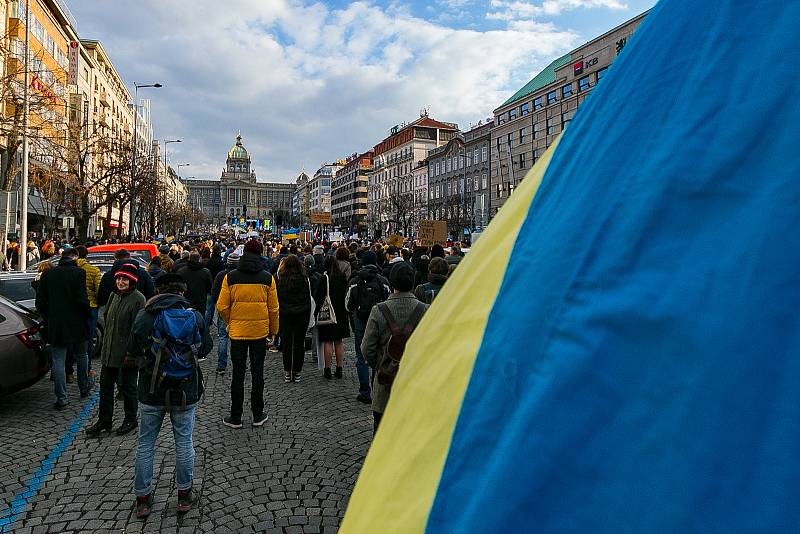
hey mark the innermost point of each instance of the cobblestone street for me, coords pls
(292, 475)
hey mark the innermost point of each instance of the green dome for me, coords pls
(238, 151)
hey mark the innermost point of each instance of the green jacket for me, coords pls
(118, 318)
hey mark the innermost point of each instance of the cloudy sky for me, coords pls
(309, 82)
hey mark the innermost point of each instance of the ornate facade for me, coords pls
(237, 197)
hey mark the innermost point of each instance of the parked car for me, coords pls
(23, 361)
(17, 287)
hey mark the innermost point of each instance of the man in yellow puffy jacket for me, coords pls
(93, 277)
(248, 303)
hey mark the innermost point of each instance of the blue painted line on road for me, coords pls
(11, 514)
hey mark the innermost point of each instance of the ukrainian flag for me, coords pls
(620, 351)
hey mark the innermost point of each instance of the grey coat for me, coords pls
(376, 337)
(118, 318)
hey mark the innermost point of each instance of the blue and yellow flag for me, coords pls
(620, 352)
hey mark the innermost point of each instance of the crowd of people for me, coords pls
(261, 296)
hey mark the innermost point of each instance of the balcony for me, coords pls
(103, 97)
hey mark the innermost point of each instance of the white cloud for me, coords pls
(304, 82)
(510, 10)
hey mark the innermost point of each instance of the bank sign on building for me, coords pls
(237, 197)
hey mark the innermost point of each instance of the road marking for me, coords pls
(11, 514)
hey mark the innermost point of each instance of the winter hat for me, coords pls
(163, 249)
(369, 258)
(402, 276)
(319, 249)
(233, 257)
(309, 261)
(253, 247)
(129, 271)
(396, 259)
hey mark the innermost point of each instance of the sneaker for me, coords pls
(88, 391)
(185, 501)
(287, 377)
(220, 371)
(366, 399)
(258, 421)
(144, 506)
(338, 372)
(273, 348)
(231, 422)
(201, 358)
(59, 406)
(296, 377)
(95, 430)
(327, 373)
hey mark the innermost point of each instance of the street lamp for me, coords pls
(137, 86)
(166, 142)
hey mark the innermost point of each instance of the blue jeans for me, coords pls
(222, 333)
(150, 420)
(91, 326)
(362, 368)
(59, 355)
(210, 309)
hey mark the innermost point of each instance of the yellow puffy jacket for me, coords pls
(93, 276)
(248, 300)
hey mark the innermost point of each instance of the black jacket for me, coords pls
(294, 295)
(139, 347)
(215, 265)
(198, 284)
(145, 284)
(217, 287)
(63, 302)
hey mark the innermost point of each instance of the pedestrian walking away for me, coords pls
(170, 381)
(248, 303)
(406, 310)
(366, 289)
(63, 302)
(333, 285)
(222, 327)
(294, 298)
(117, 366)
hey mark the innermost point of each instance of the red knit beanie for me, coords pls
(253, 247)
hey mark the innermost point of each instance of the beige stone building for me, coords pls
(528, 122)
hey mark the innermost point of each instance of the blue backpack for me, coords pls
(176, 344)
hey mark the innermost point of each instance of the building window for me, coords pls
(475, 183)
(484, 181)
(583, 84)
(566, 90)
(601, 73)
(551, 98)
(484, 153)
(509, 139)
(524, 109)
(522, 160)
(537, 103)
(498, 144)
(549, 127)
(566, 117)
(512, 114)
(521, 135)
(501, 119)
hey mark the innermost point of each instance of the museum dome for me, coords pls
(238, 151)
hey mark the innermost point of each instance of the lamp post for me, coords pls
(166, 142)
(137, 86)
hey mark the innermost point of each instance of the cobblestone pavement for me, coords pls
(292, 475)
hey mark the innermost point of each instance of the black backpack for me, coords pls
(369, 293)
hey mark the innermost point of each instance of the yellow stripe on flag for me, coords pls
(398, 483)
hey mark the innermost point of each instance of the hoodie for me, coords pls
(140, 345)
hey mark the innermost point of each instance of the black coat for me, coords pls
(198, 284)
(215, 265)
(294, 296)
(338, 290)
(145, 285)
(63, 302)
